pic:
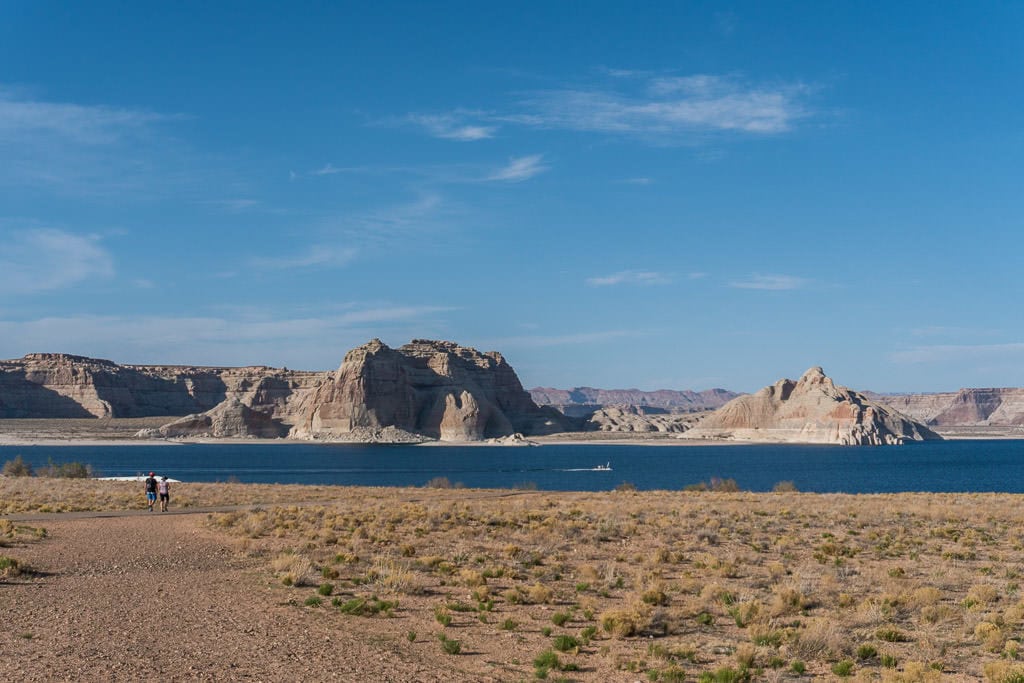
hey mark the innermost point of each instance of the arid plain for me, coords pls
(249, 582)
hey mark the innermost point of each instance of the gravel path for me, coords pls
(156, 596)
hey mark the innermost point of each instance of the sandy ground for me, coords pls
(144, 596)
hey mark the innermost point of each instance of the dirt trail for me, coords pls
(156, 596)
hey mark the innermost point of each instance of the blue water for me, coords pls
(929, 466)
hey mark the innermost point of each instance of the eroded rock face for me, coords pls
(967, 407)
(639, 420)
(48, 385)
(230, 418)
(435, 388)
(810, 410)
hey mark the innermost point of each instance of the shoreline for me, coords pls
(531, 442)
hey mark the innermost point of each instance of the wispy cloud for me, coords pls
(46, 259)
(670, 108)
(957, 352)
(453, 126)
(636, 181)
(231, 339)
(770, 282)
(91, 150)
(520, 168)
(632, 277)
(88, 125)
(316, 256)
(659, 109)
(326, 169)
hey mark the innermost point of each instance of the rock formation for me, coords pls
(639, 420)
(434, 388)
(583, 401)
(811, 410)
(54, 385)
(967, 407)
(230, 418)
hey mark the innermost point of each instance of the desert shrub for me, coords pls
(726, 674)
(890, 635)
(867, 652)
(560, 618)
(990, 636)
(325, 589)
(442, 483)
(843, 668)
(626, 486)
(313, 601)
(509, 625)
(450, 645)
(66, 470)
(544, 662)
(295, 570)
(365, 607)
(566, 643)
(17, 467)
(538, 593)
(785, 487)
(9, 567)
(442, 616)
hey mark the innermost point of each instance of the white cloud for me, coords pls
(316, 256)
(82, 124)
(520, 168)
(453, 126)
(326, 169)
(46, 259)
(659, 109)
(770, 282)
(956, 352)
(634, 277)
(670, 108)
(235, 339)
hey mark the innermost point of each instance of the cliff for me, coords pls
(436, 389)
(810, 410)
(967, 407)
(47, 385)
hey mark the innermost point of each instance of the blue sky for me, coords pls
(652, 195)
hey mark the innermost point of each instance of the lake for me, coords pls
(989, 465)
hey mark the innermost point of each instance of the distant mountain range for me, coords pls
(584, 400)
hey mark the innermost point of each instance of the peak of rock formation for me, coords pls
(437, 389)
(812, 409)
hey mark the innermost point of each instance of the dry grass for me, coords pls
(659, 585)
(33, 494)
(888, 587)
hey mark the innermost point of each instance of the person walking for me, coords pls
(151, 490)
(164, 487)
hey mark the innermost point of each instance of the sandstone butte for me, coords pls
(435, 389)
(810, 410)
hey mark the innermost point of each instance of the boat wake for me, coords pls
(599, 468)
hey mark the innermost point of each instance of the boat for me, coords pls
(604, 468)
